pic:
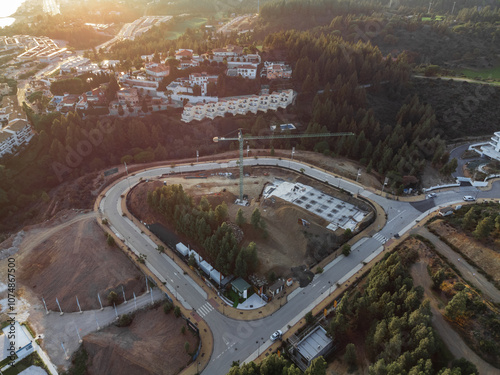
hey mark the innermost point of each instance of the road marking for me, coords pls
(205, 309)
(380, 238)
(397, 217)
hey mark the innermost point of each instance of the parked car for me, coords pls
(431, 195)
(469, 198)
(276, 335)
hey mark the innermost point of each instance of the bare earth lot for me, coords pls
(152, 344)
(67, 257)
(485, 257)
(288, 245)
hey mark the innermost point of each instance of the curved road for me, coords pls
(232, 337)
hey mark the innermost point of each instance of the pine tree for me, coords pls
(240, 219)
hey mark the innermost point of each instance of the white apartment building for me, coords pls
(238, 105)
(16, 134)
(492, 149)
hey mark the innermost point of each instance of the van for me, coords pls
(469, 198)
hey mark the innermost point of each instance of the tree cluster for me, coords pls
(275, 364)
(207, 227)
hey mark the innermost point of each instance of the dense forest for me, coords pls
(396, 323)
(344, 71)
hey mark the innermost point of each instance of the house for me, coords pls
(128, 96)
(156, 72)
(229, 51)
(14, 135)
(315, 344)
(185, 54)
(247, 71)
(277, 287)
(68, 103)
(277, 70)
(240, 286)
(15, 342)
(95, 98)
(184, 64)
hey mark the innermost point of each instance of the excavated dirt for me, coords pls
(152, 344)
(75, 261)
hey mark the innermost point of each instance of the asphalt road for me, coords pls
(241, 340)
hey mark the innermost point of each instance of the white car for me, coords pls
(276, 335)
(469, 198)
(431, 195)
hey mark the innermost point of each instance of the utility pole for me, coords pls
(452, 9)
(126, 170)
(430, 4)
(197, 156)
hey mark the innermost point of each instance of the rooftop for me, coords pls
(18, 125)
(240, 285)
(311, 345)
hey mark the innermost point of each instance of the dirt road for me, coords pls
(452, 339)
(468, 271)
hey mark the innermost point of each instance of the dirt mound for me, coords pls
(302, 275)
(152, 344)
(76, 261)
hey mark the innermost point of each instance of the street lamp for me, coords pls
(197, 155)
(329, 287)
(359, 174)
(340, 179)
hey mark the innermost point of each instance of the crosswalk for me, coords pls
(205, 309)
(380, 238)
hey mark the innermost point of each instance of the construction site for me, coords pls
(304, 226)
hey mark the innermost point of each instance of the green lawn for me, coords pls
(492, 73)
(180, 27)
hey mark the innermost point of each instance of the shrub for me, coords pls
(124, 320)
(167, 307)
(177, 311)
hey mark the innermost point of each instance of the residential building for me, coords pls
(14, 135)
(15, 339)
(70, 65)
(184, 86)
(128, 96)
(183, 54)
(184, 64)
(229, 51)
(156, 72)
(247, 71)
(316, 343)
(238, 105)
(95, 98)
(68, 103)
(492, 148)
(276, 70)
(241, 287)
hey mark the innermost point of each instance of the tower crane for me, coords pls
(241, 139)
